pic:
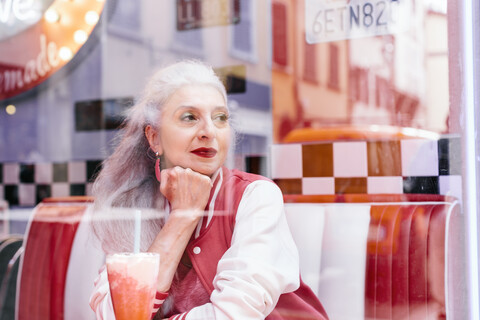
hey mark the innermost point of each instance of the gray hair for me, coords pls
(127, 178)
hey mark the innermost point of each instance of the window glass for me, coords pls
(367, 100)
(242, 40)
(379, 62)
(356, 109)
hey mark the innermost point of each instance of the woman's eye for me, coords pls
(221, 117)
(187, 116)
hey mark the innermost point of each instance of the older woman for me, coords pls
(225, 247)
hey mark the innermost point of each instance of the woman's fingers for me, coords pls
(185, 188)
(166, 184)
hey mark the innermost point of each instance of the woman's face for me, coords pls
(194, 131)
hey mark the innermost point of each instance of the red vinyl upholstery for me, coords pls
(405, 252)
(404, 266)
(44, 265)
(405, 262)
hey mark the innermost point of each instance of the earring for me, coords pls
(157, 166)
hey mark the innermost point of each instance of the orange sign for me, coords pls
(37, 38)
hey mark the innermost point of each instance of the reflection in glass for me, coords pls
(18, 15)
(397, 77)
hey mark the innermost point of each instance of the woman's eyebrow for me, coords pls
(221, 108)
(194, 108)
(186, 107)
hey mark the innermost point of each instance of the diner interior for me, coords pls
(363, 112)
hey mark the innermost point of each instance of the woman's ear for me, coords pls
(153, 139)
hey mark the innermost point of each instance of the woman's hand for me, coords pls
(185, 189)
(188, 192)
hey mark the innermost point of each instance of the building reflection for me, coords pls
(398, 79)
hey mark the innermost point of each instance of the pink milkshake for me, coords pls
(133, 280)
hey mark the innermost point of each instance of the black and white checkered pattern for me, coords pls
(406, 166)
(389, 166)
(26, 184)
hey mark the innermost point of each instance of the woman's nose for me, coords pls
(206, 130)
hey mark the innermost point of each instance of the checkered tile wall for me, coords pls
(393, 166)
(27, 184)
(403, 166)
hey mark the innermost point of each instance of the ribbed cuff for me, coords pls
(181, 316)
(157, 303)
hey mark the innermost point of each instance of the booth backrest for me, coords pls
(365, 256)
(58, 265)
(379, 259)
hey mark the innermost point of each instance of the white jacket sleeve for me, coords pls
(261, 264)
(100, 300)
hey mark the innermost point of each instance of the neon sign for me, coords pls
(37, 38)
(17, 9)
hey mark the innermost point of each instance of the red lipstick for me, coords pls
(205, 152)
